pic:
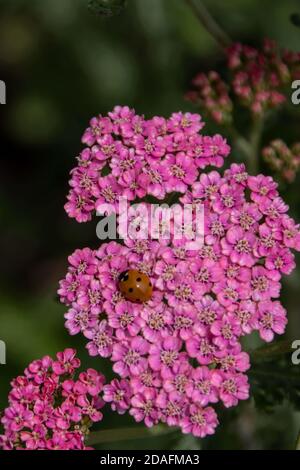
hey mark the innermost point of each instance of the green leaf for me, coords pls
(107, 7)
(130, 433)
(275, 381)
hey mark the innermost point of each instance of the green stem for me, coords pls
(130, 433)
(209, 23)
(254, 140)
(241, 142)
(250, 147)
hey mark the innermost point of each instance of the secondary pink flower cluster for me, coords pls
(127, 155)
(49, 408)
(257, 79)
(283, 159)
(212, 94)
(179, 353)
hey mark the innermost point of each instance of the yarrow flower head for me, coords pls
(51, 409)
(212, 94)
(257, 79)
(284, 160)
(178, 354)
(128, 155)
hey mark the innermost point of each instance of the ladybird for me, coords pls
(135, 286)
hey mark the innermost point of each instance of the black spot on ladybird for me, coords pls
(123, 277)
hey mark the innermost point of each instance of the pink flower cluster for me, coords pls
(257, 79)
(283, 159)
(179, 353)
(212, 94)
(127, 155)
(49, 409)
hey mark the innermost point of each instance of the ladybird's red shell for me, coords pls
(135, 286)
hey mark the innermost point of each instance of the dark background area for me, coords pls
(62, 65)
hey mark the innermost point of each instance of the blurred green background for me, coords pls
(62, 64)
